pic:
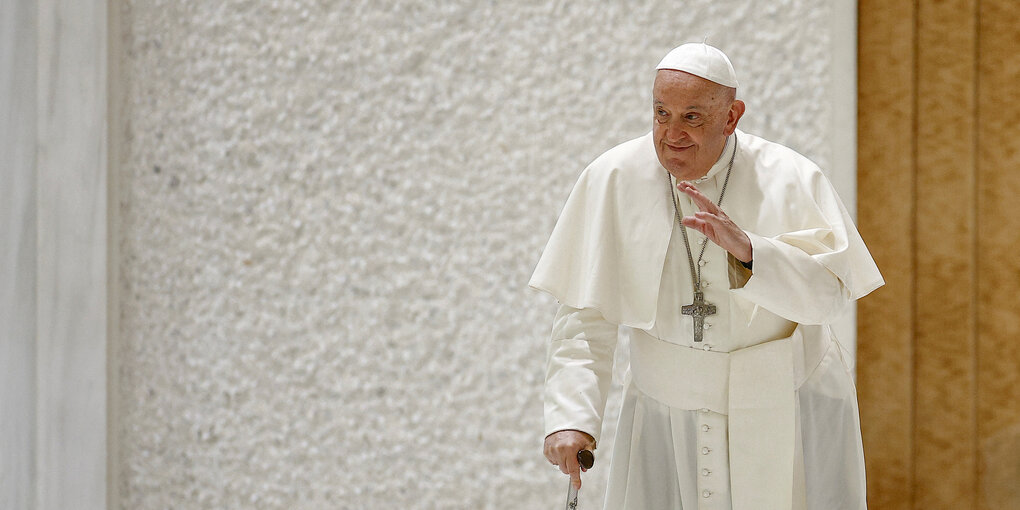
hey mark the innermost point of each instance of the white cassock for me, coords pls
(762, 414)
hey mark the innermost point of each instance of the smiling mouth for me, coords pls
(677, 148)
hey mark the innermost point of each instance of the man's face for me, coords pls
(693, 117)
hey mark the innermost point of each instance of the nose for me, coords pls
(675, 132)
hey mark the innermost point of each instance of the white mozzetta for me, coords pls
(330, 214)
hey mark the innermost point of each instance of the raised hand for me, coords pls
(716, 225)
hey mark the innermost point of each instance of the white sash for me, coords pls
(755, 387)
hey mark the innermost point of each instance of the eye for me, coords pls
(692, 117)
(661, 115)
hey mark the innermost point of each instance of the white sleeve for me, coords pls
(811, 271)
(788, 281)
(579, 370)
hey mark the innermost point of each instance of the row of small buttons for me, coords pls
(707, 326)
(705, 450)
(709, 434)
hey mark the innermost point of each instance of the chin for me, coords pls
(674, 166)
(681, 171)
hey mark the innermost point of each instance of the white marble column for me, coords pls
(18, 253)
(53, 223)
(843, 126)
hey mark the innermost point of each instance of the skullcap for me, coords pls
(701, 60)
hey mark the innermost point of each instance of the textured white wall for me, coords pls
(330, 211)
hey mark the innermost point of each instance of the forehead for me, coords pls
(677, 88)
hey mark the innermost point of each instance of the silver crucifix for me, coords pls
(699, 310)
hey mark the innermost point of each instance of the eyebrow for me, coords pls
(659, 101)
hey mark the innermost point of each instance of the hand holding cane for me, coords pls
(586, 459)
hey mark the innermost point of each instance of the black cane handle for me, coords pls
(586, 459)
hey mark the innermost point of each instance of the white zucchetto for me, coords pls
(701, 60)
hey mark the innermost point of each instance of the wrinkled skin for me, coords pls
(692, 119)
(561, 449)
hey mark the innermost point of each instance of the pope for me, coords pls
(728, 256)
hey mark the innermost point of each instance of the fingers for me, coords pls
(703, 222)
(711, 219)
(575, 474)
(561, 449)
(699, 198)
(565, 459)
(569, 466)
(723, 232)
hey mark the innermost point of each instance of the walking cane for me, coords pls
(586, 459)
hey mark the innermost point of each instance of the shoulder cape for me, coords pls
(608, 247)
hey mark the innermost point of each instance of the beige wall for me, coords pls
(938, 359)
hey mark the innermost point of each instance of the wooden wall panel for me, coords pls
(939, 204)
(998, 356)
(944, 398)
(885, 176)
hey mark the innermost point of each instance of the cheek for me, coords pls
(696, 135)
(658, 129)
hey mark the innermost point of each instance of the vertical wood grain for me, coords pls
(998, 241)
(966, 316)
(885, 217)
(944, 400)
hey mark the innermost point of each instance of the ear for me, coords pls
(736, 111)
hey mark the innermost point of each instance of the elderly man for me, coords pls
(729, 256)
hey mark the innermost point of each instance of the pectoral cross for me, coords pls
(699, 310)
